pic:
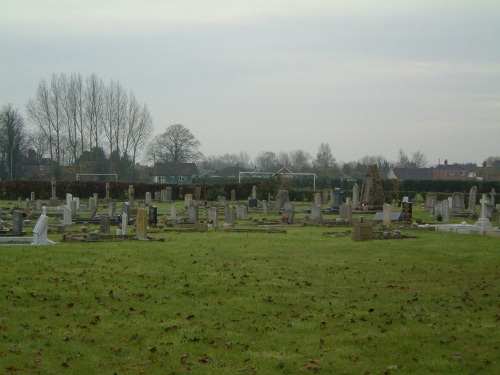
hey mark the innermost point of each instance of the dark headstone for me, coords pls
(407, 211)
(252, 203)
(153, 216)
(17, 222)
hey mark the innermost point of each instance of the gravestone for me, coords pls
(265, 210)
(40, 230)
(131, 195)
(430, 202)
(108, 197)
(254, 192)
(228, 215)
(197, 193)
(53, 202)
(32, 196)
(355, 195)
(126, 209)
(345, 211)
(241, 212)
(92, 206)
(73, 206)
(252, 203)
(325, 196)
(17, 223)
(69, 198)
(142, 224)
(457, 203)
(111, 209)
(290, 212)
(188, 199)
(282, 197)
(221, 201)
(67, 216)
(362, 232)
(483, 221)
(317, 199)
(158, 196)
(163, 196)
(124, 223)
(233, 195)
(193, 213)
(445, 209)
(173, 213)
(387, 215)
(338, 197)
(168, 192)
(407, 209)
(153, 216)
(316, 213)
(104, 224)
(212, 216)
(471, 207)
(96, 197)
(371, 191)
(147, 200)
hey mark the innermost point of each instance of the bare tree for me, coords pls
(403, 160)
(324, 158)
(176, 144)
(94, 102)
(266, 161)
(418, 159)
(39, 112)
(140, 134)
(13, 140)
(284, 159)
(300, 159)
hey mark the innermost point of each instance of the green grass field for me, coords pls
(253, 303)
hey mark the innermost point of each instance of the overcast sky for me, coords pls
(368, 77)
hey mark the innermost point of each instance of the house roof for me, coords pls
(230, 171)
(177, 169)
(412, 173)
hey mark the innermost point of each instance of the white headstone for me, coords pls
(40, 230)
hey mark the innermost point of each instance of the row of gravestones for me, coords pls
(456, 203)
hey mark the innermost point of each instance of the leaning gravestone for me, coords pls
(40, 230)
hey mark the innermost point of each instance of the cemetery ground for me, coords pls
(218, 302)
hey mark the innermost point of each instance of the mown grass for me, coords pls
(226, 303)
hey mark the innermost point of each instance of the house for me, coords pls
(174, 173)
(452, 172)
(34, 168)
(407, 173)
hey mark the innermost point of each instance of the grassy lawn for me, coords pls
(227, 303)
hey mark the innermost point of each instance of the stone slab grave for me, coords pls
(394, 216)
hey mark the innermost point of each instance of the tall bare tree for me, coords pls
(13, 140)
(94, 102)
(324, 157)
